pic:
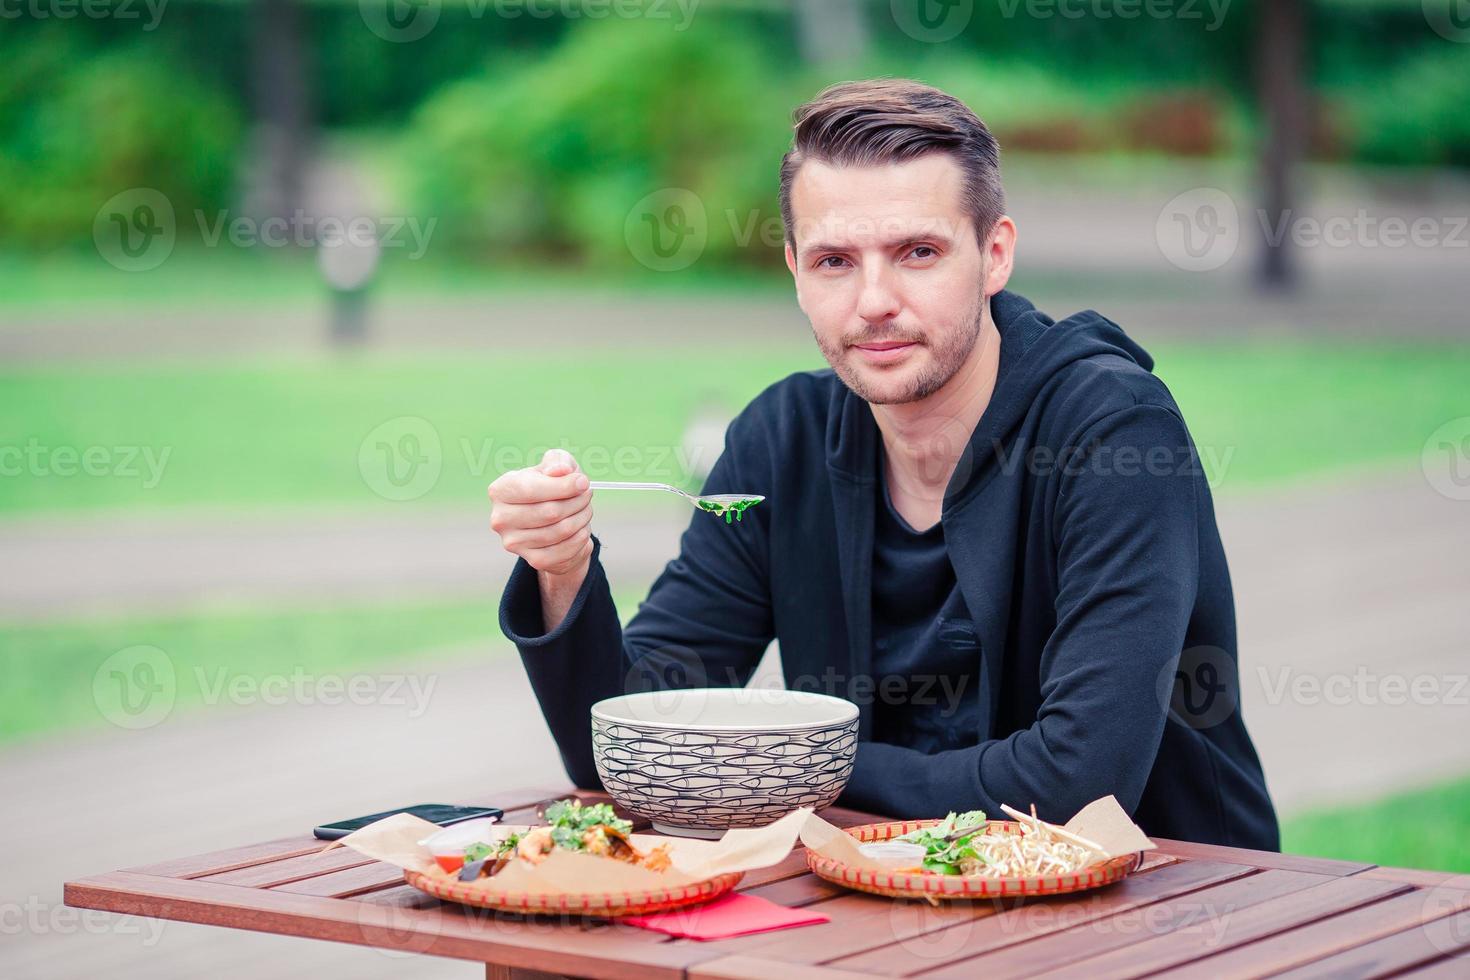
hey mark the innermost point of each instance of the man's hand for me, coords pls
(544, 514)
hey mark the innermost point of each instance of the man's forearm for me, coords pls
(557, 593)
(572, 664)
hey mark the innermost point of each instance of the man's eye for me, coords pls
(830, 262)
(923, 252)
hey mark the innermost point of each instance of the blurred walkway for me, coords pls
(1090, 237)
(142, 565)
(1364, 582)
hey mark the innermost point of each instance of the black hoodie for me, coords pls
(1083, 537)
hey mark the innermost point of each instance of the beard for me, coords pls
(945, 360)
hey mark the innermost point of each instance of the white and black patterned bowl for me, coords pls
(700, 761)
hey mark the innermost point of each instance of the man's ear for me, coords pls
(791, 259)
(1000, 255)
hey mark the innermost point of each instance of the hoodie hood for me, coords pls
(1034, 348)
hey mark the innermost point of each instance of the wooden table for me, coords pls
(1215, 911)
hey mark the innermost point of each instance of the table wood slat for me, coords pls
(373, 876)
(797, 892)
(745, 967)
(1420, 877)
(1455, 968)
(274, 873)
(1320, 939)
(1018, 922)
(228, 859)
(1235, 928)
(1154, 859)
(1261, 859)
(1100, 935)
(1436, 940)
(403, 896)
(430, 931)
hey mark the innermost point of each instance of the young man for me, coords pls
(986, 527)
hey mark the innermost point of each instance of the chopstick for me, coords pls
(1061, 832)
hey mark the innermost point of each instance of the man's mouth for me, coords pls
(885, 351)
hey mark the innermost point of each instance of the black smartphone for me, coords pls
(440, 813)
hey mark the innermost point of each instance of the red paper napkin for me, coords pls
(731, 915)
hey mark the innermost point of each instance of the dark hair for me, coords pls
(893, 120)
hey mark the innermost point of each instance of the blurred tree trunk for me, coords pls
(1281, 47)
(832, 30)
(278, 67)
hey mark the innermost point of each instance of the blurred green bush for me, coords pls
(1418, 114)
(77, 128)
(552, 154)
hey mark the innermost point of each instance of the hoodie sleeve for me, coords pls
(1127, 561)
(706, 622)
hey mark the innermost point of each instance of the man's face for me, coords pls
(889, 272)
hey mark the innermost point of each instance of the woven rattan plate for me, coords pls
(605, 904)
(938, 887)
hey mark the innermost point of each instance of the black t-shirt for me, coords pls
(926, 664)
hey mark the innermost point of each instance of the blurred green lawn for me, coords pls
(1421, 829)
(50, 667)
(304, 433)
(72, 281)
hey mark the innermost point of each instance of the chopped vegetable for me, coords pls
(735, 508)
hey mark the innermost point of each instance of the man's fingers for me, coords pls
(532, 486)
(525, 517)
(559, 557)
(558, 462)
(549, 534)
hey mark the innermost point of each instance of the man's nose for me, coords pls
(879, 300)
